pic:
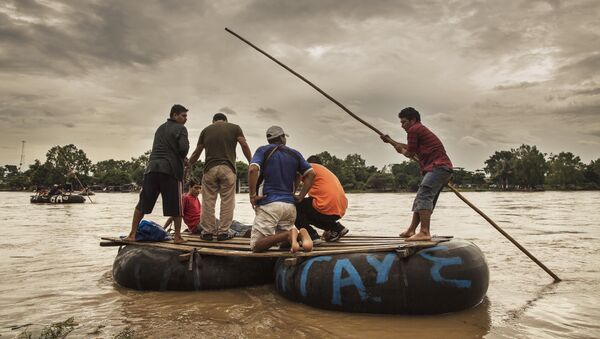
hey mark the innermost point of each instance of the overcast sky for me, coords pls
(485, 75)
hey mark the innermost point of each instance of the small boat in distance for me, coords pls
(57, 199)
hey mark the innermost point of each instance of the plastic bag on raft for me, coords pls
(148, 230)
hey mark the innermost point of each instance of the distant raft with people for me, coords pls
(448, 277)
(386, 275)
(57, 199)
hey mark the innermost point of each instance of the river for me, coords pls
(52, 268)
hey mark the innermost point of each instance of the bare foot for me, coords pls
(421, 236)
(295, 247)
(407, 234)
(307, 243)
(130, 238)
(178, 239)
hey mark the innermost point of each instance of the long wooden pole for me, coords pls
(506, 235)
(307, 81)
(511, 239)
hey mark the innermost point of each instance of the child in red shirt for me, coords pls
(192, 209)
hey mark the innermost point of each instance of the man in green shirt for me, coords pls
(220, 140)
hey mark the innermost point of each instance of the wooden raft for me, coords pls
(240, 247)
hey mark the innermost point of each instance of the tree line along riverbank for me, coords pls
(522, 168)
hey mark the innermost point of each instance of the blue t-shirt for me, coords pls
(280, 172)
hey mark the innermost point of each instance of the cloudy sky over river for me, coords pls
(486, 76)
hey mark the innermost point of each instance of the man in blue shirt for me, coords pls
(271, 178)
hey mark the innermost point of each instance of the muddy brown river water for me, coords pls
(51, 268)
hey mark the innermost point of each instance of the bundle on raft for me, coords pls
(57, 199)
(355, 274)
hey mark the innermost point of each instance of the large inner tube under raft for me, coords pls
(159, 269)
(449, 277)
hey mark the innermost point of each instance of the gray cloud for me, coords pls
(268, 113)
(228, 110)
(520, 85)
(499, 73)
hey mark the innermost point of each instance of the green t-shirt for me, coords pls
(220, 140)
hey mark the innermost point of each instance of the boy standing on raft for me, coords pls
(272, 193)
(435, 165)
(164, 174)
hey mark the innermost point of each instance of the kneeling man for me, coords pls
(271, 178)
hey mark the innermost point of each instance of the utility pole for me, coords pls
(22, 154)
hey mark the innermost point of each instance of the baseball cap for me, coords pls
(274, 132)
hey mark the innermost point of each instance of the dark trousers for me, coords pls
(307, 215)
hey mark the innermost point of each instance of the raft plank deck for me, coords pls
(240, 247)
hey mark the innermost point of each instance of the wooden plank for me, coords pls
(274, 253)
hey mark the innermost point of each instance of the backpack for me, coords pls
(150, 231)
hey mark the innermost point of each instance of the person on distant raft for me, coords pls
(271, 177)
(220, 140)
(164, 173)
(192, 209)
(435, 165)
(325, 205)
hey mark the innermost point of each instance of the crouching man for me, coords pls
(271, 178)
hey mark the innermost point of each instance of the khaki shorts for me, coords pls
(272, 218)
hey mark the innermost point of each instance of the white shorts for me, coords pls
(272, 218)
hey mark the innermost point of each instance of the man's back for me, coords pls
(220, 140)
(327, 192)
(279, 172)
(169, 149)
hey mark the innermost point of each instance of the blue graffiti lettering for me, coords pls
(440, 263)
(382, 268)
(304, 276)
(352, 279)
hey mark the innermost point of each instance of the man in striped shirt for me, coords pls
(436, 168)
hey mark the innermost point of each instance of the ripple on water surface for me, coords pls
(52, 268)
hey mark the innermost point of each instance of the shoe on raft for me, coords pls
(335, 236)
(224, 236)
(206, 236)
(317, 242)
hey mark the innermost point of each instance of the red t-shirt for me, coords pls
(192, 209)
(425, 144)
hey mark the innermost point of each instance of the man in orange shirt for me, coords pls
(325, 205)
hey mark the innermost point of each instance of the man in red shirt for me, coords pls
(192, 209)
(435, 165)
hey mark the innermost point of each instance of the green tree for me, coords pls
(591, 174)
(500, 167)
(407, 175)
(69, 157)
(380, 181)
(460, 176)
(14, 179)
(565, 170)
(241, 171)
(137, 167)
(39, 174)
(530, 166)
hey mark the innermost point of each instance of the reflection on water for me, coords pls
(52, 268)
